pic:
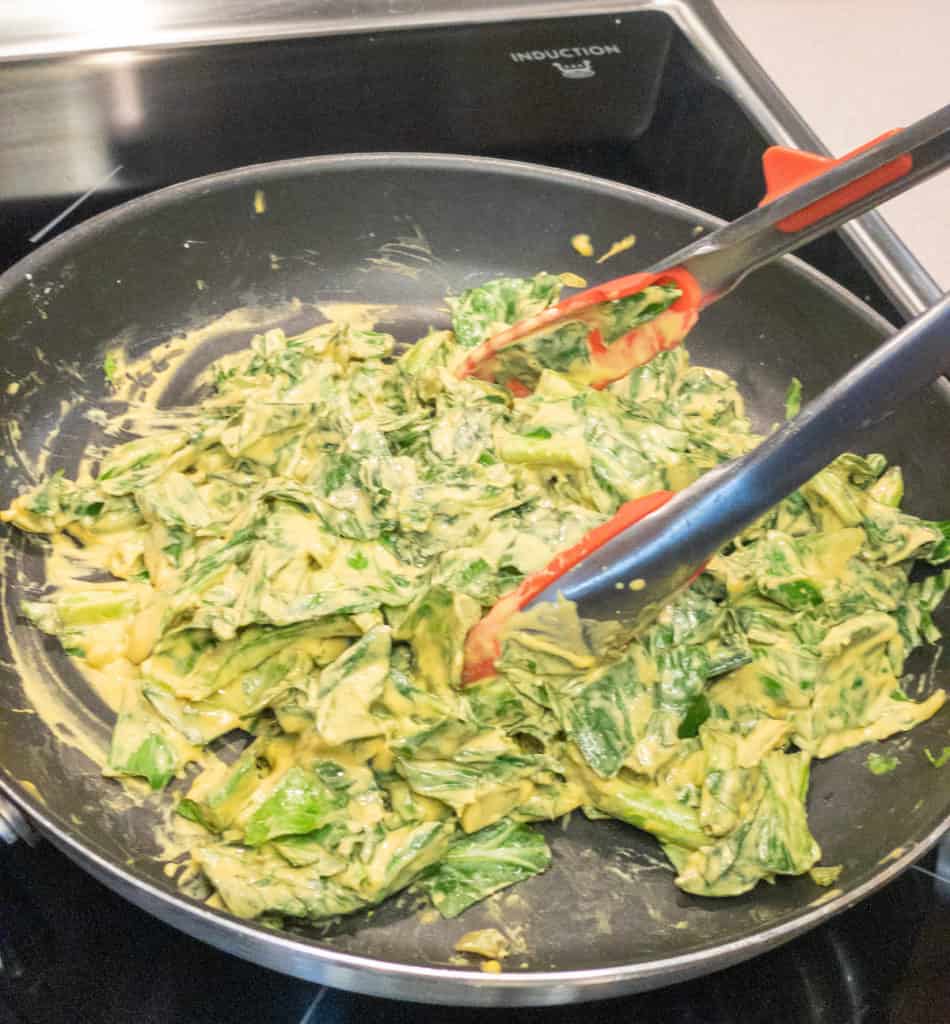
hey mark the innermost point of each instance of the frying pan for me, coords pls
(404, 230)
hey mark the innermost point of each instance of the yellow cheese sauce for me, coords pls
(272, 583)
(622, 245)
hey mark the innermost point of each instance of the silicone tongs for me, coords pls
(665, 540)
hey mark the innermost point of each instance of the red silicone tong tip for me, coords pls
(577, 307)
(786, 169)
(483, 643)
(692, 297)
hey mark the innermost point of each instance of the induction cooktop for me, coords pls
(660, 96)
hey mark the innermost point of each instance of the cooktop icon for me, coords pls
(582, 70)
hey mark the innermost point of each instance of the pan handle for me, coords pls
(13, 824)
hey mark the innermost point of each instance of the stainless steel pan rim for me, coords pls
(411, 982)
(308, 959)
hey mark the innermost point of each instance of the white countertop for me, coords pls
(854, 70)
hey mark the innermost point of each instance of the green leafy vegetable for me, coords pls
(793, 399)
(282, 581)
(479, 312)
(110, 367)
(881, 764)
(301, 803)
(483, 863)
